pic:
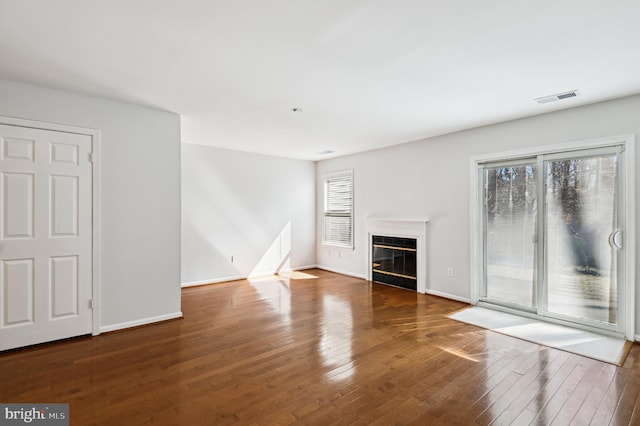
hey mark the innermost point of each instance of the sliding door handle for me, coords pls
(615, 239)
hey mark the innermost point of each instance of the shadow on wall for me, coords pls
(277, 258)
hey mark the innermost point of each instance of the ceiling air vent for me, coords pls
(556, 97)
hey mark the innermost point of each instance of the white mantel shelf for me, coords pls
(406, 228)
(386, 220)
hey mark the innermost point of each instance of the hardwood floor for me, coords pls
(319, 348)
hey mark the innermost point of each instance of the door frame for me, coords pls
(95, 202)
(627, 182)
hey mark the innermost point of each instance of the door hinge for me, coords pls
(91, 304)
(92, 157)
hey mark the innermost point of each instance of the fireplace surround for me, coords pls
(395, 232)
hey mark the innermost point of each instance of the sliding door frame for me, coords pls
(627, 217)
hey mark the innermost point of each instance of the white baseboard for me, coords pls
(338, 271)
(136, 323)
(243, 277)
(448, 296)
(636, 338)
(302, 268)
(262, 274)
(213, 281)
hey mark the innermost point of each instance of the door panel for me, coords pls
(17, 276)
(64, 153)
(510, 224)
(64, 206)
(46, 236)
(64, 286)
(581, 214)
(18, 205)
(18, 149)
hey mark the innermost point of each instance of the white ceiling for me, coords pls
(367, 74)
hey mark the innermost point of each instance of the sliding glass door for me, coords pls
(552, 235)
(510, 226)
(581, 238)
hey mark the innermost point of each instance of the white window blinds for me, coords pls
(338, 209)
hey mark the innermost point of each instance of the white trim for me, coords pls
(139, 322)
(341, 272)
(213, 281)
(96, 200)
(241, 277)
(43, 125)
(448, 296)
(475, 251)
(628, 181)
(97, 230)
(303, 268)
(578, 145)
(267, 273)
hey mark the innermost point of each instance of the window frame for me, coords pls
(326, 213)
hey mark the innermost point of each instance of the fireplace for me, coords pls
(394, 261)
(397, 253)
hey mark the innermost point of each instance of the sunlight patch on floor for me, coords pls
(297, 275)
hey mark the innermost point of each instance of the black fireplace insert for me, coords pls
(394, 261)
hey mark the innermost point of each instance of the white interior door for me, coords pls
(45, 235)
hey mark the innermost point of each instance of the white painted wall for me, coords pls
(430, 178)
(140, 195)
(257, 208)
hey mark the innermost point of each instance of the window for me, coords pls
(338, 209)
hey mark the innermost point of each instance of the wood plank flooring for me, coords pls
(316, 349)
